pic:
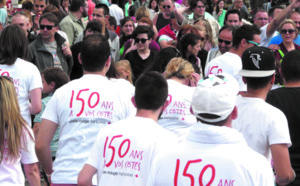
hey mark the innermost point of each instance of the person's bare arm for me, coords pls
(85, 176)
(178, 13)
(274, 24)
(32, 174)
(46, 132)
(36, 101)
(165, 44)
(155, 19)
(282, 165)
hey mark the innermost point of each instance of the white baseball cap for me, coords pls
(215, 95)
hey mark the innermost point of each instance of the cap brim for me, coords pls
(256, 73)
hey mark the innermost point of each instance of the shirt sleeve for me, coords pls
(35, 80)
(28, 154)
(50, 112)
(69, 30)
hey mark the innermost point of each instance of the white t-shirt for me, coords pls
(26, 77)
(264, 40)
(211, 155)
(123, 152)
(12, 174)
(261, 124)
(82, 108)
(229, 63)
(117, 12)
(177, 117)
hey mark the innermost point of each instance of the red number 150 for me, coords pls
(186, 174)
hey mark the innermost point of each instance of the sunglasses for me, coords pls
(167, 6)
(48, 27)
(254, 43)
(42, 6)
(225, 41)
(143, 40)
(287, 31)
(262, 19)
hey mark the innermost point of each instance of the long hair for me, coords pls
(13, 45)
(13, 127)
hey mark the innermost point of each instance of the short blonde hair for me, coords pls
(126, 66)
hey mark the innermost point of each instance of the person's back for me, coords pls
(263, 126)
(212, 153)
(81, 109)
(288, 101)
(128, 147)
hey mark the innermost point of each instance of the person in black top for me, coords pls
(163, 19)
(142, 57)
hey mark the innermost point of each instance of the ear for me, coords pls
(133, 101)
(56, 28)
(108, 61)
(234, 113)
(244, 43)
(81, 9)
(107, 17)
(273, 78)
(190, 47)
(191, 110)
(244, 80)
(79, 58)
(165, 105)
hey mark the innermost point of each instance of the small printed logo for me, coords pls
(255, 59)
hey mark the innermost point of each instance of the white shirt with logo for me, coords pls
(211, 155)
(123, 152)
(229, 63)
(82, 108)
(26, 77)
(261, 124)
(11, 174)
(177, 117)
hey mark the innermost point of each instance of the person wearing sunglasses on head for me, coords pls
(224, 43)
(230, 62)
(163, 19)
(142, 57)
(50, 49)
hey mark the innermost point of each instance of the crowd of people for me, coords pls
(159, 92)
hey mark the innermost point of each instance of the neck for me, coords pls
(148, 114)
(77, 14)
(102, 73)
(48, 40)
(198, 16)
(146, 51)
(179, 80)
(292, 84)
(237, 8)
(166, 16)
(289, 45)
(26, 33)
(237, 51)
(260, 93)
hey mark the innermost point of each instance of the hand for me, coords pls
(295, 4)
(66, 49)
(220, 12)
(274, 47)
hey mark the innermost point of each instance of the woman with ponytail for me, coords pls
(182, 79)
